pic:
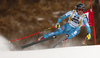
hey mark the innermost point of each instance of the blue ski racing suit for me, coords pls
(72, 27)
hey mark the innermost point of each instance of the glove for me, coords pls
(57, 25)
(88, 36)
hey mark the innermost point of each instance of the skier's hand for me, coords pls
(88, 36)
(57, 25)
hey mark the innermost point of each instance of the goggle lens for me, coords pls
(80, 9)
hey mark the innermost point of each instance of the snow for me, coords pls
(35, 47)
(5, 45)
(56, 16)
(58, 12)
(55, 13)
(40, 19)
(71, 52)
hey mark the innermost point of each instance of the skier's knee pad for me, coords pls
(67, 35)
(54, 36)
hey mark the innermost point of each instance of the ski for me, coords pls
(63, 38)
(33, 43)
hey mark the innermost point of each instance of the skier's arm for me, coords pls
(85, 21)
(64, 16)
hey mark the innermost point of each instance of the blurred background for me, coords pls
(20, 18)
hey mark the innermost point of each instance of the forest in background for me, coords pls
(20, 18)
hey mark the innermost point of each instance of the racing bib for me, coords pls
(75, 20)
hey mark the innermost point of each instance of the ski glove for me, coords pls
(88, 36)
(57, 25)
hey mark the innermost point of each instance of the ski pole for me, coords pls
(65, 42)
(31, 34)
(84, 40)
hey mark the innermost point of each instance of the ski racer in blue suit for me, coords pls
(72, 27)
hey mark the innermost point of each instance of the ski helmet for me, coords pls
(80, 6)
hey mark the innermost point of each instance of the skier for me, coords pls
(72, 27)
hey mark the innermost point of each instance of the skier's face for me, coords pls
(80, 11)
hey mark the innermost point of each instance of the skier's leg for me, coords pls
(57, 32)
(73, 32)
(68, 31)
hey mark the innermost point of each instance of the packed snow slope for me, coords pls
(5, 45)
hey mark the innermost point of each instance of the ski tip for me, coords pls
(9, 41)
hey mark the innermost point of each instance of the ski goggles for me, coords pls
(80, 9)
